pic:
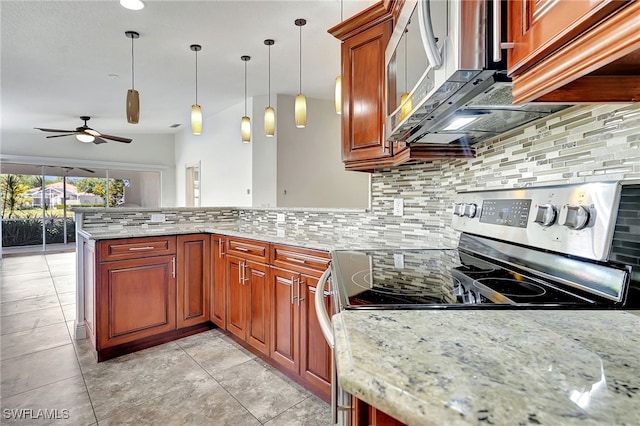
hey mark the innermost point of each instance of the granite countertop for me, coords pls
(500, 367)
(325, 239)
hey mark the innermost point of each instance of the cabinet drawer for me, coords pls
(133, 248)
(297, 257)
(248, 249)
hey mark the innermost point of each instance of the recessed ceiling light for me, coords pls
(132, 4)
(113, 76)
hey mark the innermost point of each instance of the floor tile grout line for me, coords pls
(220, 384)
(39, 387)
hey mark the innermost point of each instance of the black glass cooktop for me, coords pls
(415, 279)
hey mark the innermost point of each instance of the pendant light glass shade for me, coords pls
(300, 110)
(269, 112)
(245, 129)
(405, 102)
(300, 107)
(196, 119)
(245, 123)
(133, 97)
(269, 122)
(338, 95)
(196, 111)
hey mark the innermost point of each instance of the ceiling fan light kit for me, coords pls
(300, 106)
(85, 133)
(245, 123)
(133, 97)
(132, 4)
(196, 111)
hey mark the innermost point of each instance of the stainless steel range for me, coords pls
(543, 247)
(533, 248)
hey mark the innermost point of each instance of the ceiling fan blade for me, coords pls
(59, 136)
(53, 130)
(99, 141)
(87, 170)
(116, 138)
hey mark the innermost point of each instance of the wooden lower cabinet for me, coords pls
(297, 343)
(194, 269)
(141, 292)
(248, 310)
(218, 303)
(135, 299)
(363, 414)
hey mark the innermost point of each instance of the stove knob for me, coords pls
(545, 214)
(574, 217)
(470, 210)
(458, 209)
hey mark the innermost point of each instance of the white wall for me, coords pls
(310, 167)
(146, 152)
(265, 155)
(225, 162)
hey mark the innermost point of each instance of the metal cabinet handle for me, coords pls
(173, 267)
(427, 35)
(141, 248)
(498, 45)
(300, 284)
(244, 273)
(241, 249)
(293, 283)
(293, 259)
(220, 248)
(240, 271)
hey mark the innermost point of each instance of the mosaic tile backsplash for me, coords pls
(580, 144)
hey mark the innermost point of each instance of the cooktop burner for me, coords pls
(511, 287)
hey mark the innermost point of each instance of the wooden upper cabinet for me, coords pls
(364, 39)
(363, 78)
(564, 49)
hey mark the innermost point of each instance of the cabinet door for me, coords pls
(237, 297)
(194, 269)
(539, 27)
(136, 299)
(285, 322)
(259, 300)
(363, 104)
(218, 298)
(315, 357)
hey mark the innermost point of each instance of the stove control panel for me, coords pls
(575, 219)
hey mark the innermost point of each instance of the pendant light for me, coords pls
(133, 98)
(269, 112)
(300, 107)
(337, 97)
(196, 111)
(245, 123)
(405, 100)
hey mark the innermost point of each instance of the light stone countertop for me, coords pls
(500, 367)
(326, 239)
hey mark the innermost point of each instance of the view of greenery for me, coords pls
(22, 218)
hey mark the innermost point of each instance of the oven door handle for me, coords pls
(321, 309)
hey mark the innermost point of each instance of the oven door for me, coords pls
(340, 400)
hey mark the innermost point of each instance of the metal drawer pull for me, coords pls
(293, 259)
(141, 248)
(293, 283)
(220, 248)
(241, 249)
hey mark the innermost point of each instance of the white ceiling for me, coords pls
(59, 59)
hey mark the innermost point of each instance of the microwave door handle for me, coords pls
(426, 33)
(498, 45)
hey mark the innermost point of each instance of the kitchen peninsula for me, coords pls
(432, 367)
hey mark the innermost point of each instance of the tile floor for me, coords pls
(205, 379)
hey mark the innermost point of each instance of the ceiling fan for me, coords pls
(85, 133)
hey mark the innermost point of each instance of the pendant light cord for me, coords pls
(196, 77)
(300, 59)
(245, 88)
(269, 74)
(132, 67)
